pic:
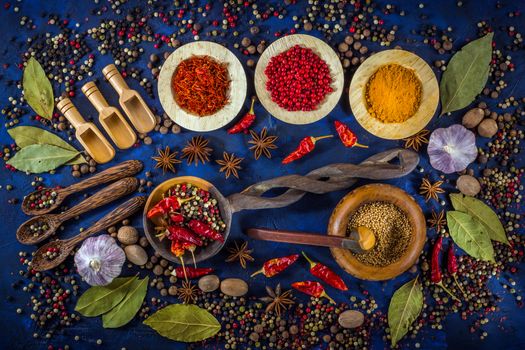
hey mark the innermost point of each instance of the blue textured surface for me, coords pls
(310, 214)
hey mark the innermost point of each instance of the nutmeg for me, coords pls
(472, 118)
(488, 128)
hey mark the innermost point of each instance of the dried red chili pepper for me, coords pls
(176, 218)
(203, 229)
(191, 272)
(435, 270)
(177, 248)
(165, 205)
(277, 265)
(347, 136)
(452, 266)
(245, 122)
(306, 146)
(312, 288)
(179, 233)
(325, 274)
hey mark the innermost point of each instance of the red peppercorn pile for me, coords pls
(298, 79)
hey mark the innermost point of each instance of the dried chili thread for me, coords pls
(201, 85)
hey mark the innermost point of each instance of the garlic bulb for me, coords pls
(99, 260)
(452, 149)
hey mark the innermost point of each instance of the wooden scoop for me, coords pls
(87, 133)
(65, 247)
(130, 100)
(122, 170)
(359, 240)
(111, 119)
(118, 189)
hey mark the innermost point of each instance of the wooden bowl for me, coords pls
(429, 98)
(237, 87)
(372, 193)
(324, 51)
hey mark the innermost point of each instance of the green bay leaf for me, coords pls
(404, 308)
(38, 91)
(185, 323)
(466, 74)
(481, 212)
(40, 158)
(124, 312)
(100, 299)
(469, 235)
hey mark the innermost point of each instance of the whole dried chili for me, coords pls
(177, 249)
(306, 146)
(245, 122)
(165, 205)
(179, 233)
(203, 229)
(452, 266)
(435, 270)
(312, 288)
(176, 218)
(191, 272)
(347, 136)
(325, 274)
(277, 265)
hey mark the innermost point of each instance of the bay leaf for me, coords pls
(404, 308)
(469, 235)
(185, 323)
(100, 299)
(40, 158)
(124, 312)
(466, 74)
(481, 212)
(38, 91)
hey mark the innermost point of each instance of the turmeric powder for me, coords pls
(393, 94)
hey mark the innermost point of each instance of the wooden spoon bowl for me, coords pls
(338, 223)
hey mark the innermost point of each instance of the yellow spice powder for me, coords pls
(393, 94)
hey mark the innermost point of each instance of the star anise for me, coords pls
(277, 300)
(187, 293)
(262, 144)
(230, 164)
(166, 159)
(241, 253)
(197, 150)
(430, 190)
(416, 141)
(437, 220)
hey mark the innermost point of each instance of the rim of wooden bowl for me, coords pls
(429, 98)
(372, 193)
(237, 91)
(324, 51)
(163, 247)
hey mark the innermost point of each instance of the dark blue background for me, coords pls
(310, 214)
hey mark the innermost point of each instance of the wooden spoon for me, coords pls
(122, 170)
(118, 189)
(40, 261)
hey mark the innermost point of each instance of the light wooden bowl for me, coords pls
(237, 87)
(429, 98)
(324, 51)
(371, 193)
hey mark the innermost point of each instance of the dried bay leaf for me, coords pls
(38, 91)
(185, 323)
(124, 312)
(41, 158)
(469, 235)
(481, 212)
(404, 308)
(100, 299)
(466, 74)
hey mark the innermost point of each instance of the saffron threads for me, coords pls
(201, 85)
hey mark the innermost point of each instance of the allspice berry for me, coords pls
(488, 128)
(468, 185)
(472, 118)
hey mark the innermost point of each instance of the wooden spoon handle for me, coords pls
(106, 195)
(122, 170)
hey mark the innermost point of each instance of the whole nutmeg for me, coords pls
(351, 319)
(136, 254)
(234, 287)
(127, 235)
(488, 128)
(468, 185)
(209, 283)
(472, 118)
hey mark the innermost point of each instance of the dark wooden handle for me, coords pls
(295, 237)
(122, 170)
(107, 195)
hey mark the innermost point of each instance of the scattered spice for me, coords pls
(452, 266)
(240, 253)
(436, 275)
(438, 220)
(191, 272)
(187, 293)
(277, 301)
(275, 266)
(312, 288)
(197, 150)
(306, 146)
(430, 190)
(347, 136)
(166, 160)
(325, 274)
(246, 121)
(230, 164)
(416, 141)
(262, 143)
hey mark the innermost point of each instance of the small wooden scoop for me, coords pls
(122, 170)
(64, 247)
(110, 118)
(130, 100)
(87, 133)
(359, 240)
(118, 189)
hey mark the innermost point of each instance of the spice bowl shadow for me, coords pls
(344, 210)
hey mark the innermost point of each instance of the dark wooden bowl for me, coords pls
(372, 193)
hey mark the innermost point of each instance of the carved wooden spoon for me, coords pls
(63, 248)
(26, 235)
(122, 170)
